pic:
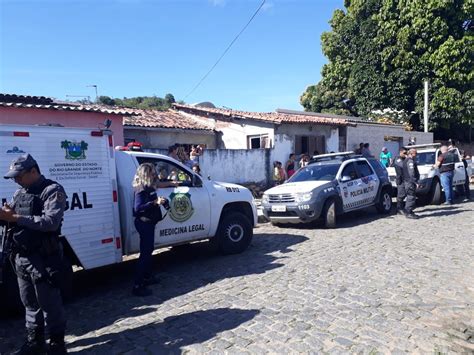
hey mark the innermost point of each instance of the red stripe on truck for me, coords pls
(108, 240)
(21, 134)
(97, 134)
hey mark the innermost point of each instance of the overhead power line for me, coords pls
(226, 50)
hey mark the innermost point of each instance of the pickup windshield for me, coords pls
(425, 158)
(316, 172)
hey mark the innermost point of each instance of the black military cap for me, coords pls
(20, 164)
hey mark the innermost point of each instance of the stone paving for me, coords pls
(374, 285)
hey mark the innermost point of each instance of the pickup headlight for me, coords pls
(304, 196)
(265, 198)
(423, 176)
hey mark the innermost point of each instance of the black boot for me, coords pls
(57, 345)
(34, 344)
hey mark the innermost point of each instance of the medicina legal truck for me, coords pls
(98, 226)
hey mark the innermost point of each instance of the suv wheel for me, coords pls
(234, 234)
(329, 214)
(384, 205)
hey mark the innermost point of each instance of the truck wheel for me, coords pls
(329, 214)
(384, 205)
(11, 302)
(66, 280)
(234, 234)
(435, 194)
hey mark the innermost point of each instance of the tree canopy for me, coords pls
(141, 102)
(381, 51)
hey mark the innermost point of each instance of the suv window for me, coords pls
(350, 170)
(378, 167)
(364, 168)
(168, 171)
(316, 172)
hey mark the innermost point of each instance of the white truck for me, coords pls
(98, 226)
(429, 187)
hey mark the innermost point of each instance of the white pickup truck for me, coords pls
(98, 227)
(429, 187)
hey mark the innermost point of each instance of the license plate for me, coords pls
(279, 208)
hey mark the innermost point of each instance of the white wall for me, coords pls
(234, 134)
(374, 135)
(163, 138)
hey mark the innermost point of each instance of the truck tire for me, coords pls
(234, 234)
(384, 204)
(435, 194)
(329, 214)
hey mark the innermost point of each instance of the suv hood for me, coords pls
(295, 187)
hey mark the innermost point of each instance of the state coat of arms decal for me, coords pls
(74, 150)
(181, 208)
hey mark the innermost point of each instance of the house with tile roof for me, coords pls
(40, 110)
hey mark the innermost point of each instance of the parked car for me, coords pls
(330, 185)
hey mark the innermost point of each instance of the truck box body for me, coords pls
(83, 162)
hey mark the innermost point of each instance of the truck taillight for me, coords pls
(114, 196)
(97, 134)
(21, 134)
(118, 242)
(111, 142)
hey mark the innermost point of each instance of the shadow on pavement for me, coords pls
(170, 335)
(442, 213)
(103, 296)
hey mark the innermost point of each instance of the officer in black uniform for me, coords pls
(401, 193)
(411, 175)
(36, 212)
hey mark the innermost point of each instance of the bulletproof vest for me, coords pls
(448, 162)
(29, 203)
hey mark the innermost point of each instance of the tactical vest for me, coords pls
(448, 162)
(31, 203)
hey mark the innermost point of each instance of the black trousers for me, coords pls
(401, 194)
(42, 300)
(410, 190)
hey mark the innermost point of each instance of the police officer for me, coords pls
(401, 193)
(36, 212)
(411, 176)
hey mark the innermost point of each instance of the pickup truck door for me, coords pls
(459, 170)
(189, 215)
(369, 181)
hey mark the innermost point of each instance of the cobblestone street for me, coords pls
(373, 285)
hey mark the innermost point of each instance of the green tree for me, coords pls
(381, 51)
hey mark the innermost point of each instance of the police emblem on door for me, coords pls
(181, 208)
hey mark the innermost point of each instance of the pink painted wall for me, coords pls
(9, 115)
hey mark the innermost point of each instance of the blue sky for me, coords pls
(143, 47)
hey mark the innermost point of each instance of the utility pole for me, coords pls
(96, 95)
(425, 111)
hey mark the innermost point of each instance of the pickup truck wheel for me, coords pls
(234, 234)
(435, 194)
(384, 205)
(329, 214)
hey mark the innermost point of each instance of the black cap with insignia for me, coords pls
(20, 164)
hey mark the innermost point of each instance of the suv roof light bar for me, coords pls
(332, 155)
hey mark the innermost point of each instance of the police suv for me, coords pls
(331, 184)
(429, 186)
(98, 224)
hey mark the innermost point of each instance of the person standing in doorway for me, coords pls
(445, 163)
(411, 175)
(385, 157)
(290, 165)
(147, 213)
